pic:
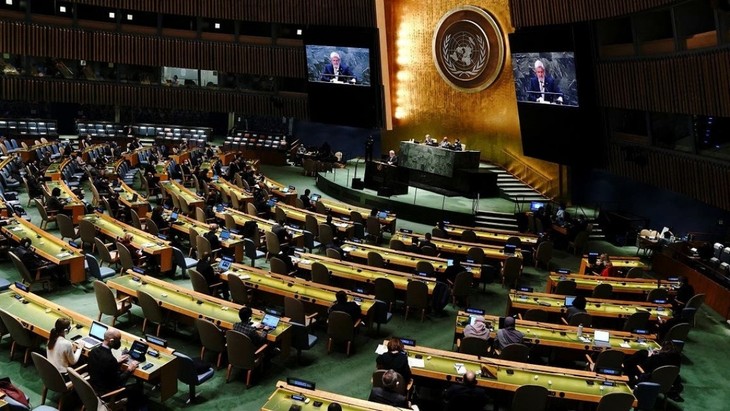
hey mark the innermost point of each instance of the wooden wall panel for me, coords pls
(526, 13)
(693, 176)
(690, 83)
(127, 95)
(358, 13)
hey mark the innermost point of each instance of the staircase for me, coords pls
(511, 188)
(496, 221)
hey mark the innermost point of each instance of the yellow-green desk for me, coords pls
(241, 218)
(490, 236)
(444, 245)
(637, 287)
(183, 225)
(282, 400)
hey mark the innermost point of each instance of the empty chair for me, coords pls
(515, 352)
(469, 236)
(294, 309)
(635, 272)
(616, 401)
(30, 279)
(396, 244)
(658, 294)
(565, 287)
(544, 254)
(190, 373)
(607, 362)
(21, 336)
(511, 271)
(301, 339)
(678, 332)
(474, 346)
(88, 234)
(251, 251)
(372, 226)
(429, 251)
(416, 297)
(577, 319)
(95, 270)
(320, 273)
(239, 292)
(476, 254)
(151, 311)
(341, 328)
(51, 377)
(424, 268)
(46, 217)
(375, 259)
(665, 377)
(66, 227)
(535, 314)
(646, 394)
(211, 339)
(108, 304)
(200, 284)
(272, 244)
(462, 289)
(530, 398)
(380, 314)
(384, 290)
(183, 262)
(579, 242)
(604, 290)
(333, 253)
(438, 233)
(278, 266)
(309, 242)
(637, 321)
(105, 255)
(243, 354)
(326, 235)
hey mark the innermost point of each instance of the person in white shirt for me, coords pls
(61, 352)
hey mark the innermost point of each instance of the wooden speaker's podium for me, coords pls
(386, 179)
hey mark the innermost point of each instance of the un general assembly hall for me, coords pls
(291, 205)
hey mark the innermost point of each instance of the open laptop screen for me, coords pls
(315, 197)
(97, 330)
(270, 321)
(601, 336)
(510, 248)
(569, 300)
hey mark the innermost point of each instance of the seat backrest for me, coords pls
(240, 350)
(545, 252)
(87, 231)
(565, 287)
(396, 244)
(151, 310)
(200, 284)
(530, 398)
(616, 401)
(603, 290)
(50, 375)
(665, 376)
(424, 267)
(535, 314)
(230, 222)
(89, 398)
(320, 273)
(469, 236)
(512, 270)
(326, 236)
(384, 290)
(609, 359)
(417, 294)
(678, 332)
(340, 326)
(581, 318)
(515, 352)
(105, 298)
(333, 253)
(294, 309)
(637, 321)
(373, 226)
(65, 225)
(93, 266)
(136, 222)
(696, 301)
(375, 259)
(272, 243)
(41, 209)
(646, 394)
(186, 370)
(657, 294)
(635, 272)
(278, 266)
(125, 257)
(211, 337)
(250, 208)
(239, 293)
(474, 346)
(476, 254)
(311, 224)
(21, 268)
(463, 283)
(200, 214)
(104, 254)
(19, 334)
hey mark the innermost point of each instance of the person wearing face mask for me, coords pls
(106, 373)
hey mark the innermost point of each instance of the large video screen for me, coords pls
(546, 78)
(338, 65)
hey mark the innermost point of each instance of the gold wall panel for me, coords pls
(422, 102)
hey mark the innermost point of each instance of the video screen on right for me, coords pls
(546, 78)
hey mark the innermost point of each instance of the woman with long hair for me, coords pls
(61, 352)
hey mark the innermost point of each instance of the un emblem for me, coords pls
(468, 48)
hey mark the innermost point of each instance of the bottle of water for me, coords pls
(580, 330)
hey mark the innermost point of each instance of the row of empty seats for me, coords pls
(721, 256)
(100, 129)
(240, 140)
(28, 127)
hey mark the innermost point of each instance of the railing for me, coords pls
(530, 176)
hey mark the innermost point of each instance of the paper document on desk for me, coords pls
(416, 362)
(17, 228)
(63, 254)
(380, 349)
(460, 369)
(145, 245)
(625, 345)
(347, 248)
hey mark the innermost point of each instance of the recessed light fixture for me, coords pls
(299, 32)
(130, 17)
(9, 2)
(217, 26)
(62, 9)
(112, 15)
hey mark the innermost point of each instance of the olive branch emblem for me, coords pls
(476, 68)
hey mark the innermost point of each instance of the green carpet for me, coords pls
(702, 368)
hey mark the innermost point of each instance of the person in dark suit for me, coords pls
(205, 268)
(212, 237)
(369, 145)
(392, 158)
(343, 305)
(337, 72)
(466, 396)
(306, 201)
(387, 394)
(53, 204)
(395, 359)
(541, 84)
(107, 374)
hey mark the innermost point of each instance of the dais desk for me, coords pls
(39, 316)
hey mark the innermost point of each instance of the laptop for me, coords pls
(138, 350)
(449, 263)
(271, 202)
(225, 235)
(601, 338)
(224, 265)
(270, 321)
(134, 198)
(96, 335)
(285, 190)
(569, 300)
(315, 197)
(382, 215)
(173, 217)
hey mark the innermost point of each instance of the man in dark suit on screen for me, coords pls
(543, 87)
(335, 72)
